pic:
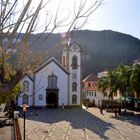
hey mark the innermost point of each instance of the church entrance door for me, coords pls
(52, 99)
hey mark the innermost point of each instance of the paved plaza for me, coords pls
(80, 124)
(5, 133)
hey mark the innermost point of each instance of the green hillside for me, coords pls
(100, 49)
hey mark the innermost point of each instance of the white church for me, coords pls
(54, 84)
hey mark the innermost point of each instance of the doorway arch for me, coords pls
(51, 98)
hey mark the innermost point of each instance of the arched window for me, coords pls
(74, 86)
(52, 81)
(95, 94)
(26, 86)
(74, 62)
(64, 61)
(74, 99)
(25, 99)
(40, 97)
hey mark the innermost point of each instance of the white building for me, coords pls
(91, 91)
(102, 74)
(55, 84)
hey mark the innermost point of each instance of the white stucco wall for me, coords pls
(29, 93)
(41, 83)
(97, 98)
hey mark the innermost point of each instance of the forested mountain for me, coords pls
(100, 49)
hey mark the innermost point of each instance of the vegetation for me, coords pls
(100, 49)
(124, 79)
(10, 99)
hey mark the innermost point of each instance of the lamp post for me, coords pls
(24, 107)
(24, 110)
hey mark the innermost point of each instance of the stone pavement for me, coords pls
(80, 124)
(5, 133)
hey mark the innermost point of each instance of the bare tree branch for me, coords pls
(14, 21)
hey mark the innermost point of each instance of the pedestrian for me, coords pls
(62, 105)
(101, 109)
(119, 110)
(115, 112)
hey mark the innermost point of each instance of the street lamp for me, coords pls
(24, 106)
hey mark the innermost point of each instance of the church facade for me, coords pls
(55, 84)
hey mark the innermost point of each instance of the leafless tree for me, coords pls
(16, 19)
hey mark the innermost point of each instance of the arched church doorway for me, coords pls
(52, 99)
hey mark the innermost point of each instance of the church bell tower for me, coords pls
(71, 60)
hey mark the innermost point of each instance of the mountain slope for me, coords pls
(100, 49)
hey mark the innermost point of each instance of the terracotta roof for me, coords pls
(91, 77)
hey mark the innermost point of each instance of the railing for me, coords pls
(17, 130)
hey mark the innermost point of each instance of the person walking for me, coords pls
(115, 112)
(101, 109)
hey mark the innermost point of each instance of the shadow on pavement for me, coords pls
(78, 119)
(131, 118)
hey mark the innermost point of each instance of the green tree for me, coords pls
(112, 83)
(135, 80)
(123, 73)
(103, 84)
(10, 99)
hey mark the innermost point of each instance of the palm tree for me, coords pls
(135, 80)
(123, 76)
(113, 83)
(103, 84)
(109, 82)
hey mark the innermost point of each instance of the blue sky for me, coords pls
(118, 15)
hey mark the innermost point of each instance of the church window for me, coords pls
(64, 61)
(52, 81)
(26, 86)
(95, 94)
(25, 99)
(89, 84)
(74, 99)
(74, 62)
(74, 86)
(40, 97)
